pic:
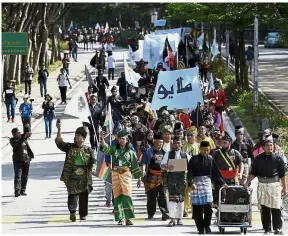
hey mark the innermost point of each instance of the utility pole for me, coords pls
(227, 51)
(255, 77)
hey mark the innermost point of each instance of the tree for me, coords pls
(232, 16)
(38, 20)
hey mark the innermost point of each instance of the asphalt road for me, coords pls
(44, 210)
(273, 74)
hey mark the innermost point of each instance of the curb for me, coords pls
(37, 116)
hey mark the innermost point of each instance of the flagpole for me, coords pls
(186, 53)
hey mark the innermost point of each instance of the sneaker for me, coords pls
(17, 194)
(73, 217)
(23, 193)
(8, 120)
(82, 218)
(185, 214)
(120, 222)
(165, 217)
(171, 223)
(108, 204)
(266, 232)
(150, 218)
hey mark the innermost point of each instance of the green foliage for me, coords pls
(283, 138)
(283, 40)
(63, 45)
(218, 67)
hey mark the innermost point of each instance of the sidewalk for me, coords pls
(77, 73)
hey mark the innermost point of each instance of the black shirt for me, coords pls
(48, 108)
(268, 166)
(203, 166)
(246, 149)
(9, 92)
(156, 160)
(221, 163)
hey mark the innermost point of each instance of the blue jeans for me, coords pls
(43, 85)
(67, 70)
(10, 105)
(48, 124)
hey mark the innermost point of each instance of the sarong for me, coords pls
(122, 190)
(203, 194)
(176, 186)
(153, 180)
(269, 195)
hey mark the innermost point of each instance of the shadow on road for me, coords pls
(38, 170)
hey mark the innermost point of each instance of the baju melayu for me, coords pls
(192, 150)
(176, 183)
(153, 180)
(201, 170)
(124, 165)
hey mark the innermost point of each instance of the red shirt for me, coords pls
(220, 97)
(184, 118)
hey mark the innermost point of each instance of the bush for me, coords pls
(63, 45)
(218, 67)
(245, 100)
(283, 138)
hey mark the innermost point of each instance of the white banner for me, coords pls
(139, 52)
(159, 23)
(153, 47)
(78, 106)
(170, 31)
(131, 76)
(178, 89)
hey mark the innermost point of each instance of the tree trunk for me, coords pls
(58, 51)
(5, 68)
(219, 39)
(44, 35)
(12, 67)
(18, 69)
(236, 43)
(242, 57)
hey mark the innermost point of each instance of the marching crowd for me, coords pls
(146, 145)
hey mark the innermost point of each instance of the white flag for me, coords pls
(78, 107)
(88, 76)
(211, 83)
(200, 41)
(177, 89)
(106, 27)
(97, 26)
(214, 49)
(60, 30)
(131, 76)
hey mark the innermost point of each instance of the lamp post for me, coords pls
(255, 77)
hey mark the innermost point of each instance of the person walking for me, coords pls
(201, 171)
(123, 165)
(10, 101)
(249, 58)
(66, 62)
(63, 82)
(122, 83)
(28, 76)
(43, 75)
(102, 84)
(79, 165)
(111, 65)
(154, 177)
(22, 155)
(269, 168)
(25, 110)
(176, 182)
(48, 113)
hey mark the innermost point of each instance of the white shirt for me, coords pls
(109, 47)
(166, 147)
(63, 82)
(111, 62)
(177, 156)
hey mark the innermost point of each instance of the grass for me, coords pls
(248, 121)
(19, 88)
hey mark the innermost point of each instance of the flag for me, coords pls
(200, 41)
(214, 49)
(168, 52)
(97, 26)
(106, 27)
(131, 76)
(60, 30)
(88, 77)
(78, 106)
(102, 170)
(211, 83)
(108, 123)
(130, 55)
(71, 26)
